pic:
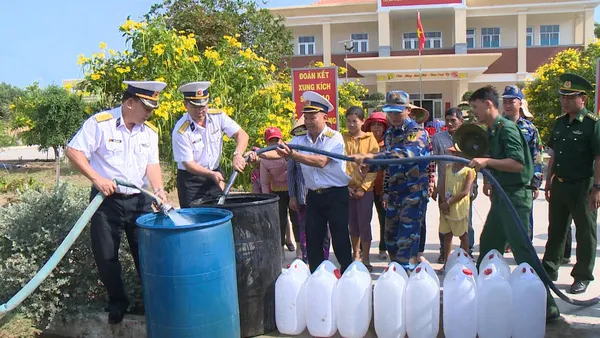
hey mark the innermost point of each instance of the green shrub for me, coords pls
(30, 231)
(17, 326)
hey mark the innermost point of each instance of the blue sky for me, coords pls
(40, 42)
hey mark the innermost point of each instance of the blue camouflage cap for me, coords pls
(512, 92)
(396, 101)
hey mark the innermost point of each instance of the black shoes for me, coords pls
(578, 287)
(115, 316)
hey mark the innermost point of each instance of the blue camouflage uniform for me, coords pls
(405, 187)
(534, 143)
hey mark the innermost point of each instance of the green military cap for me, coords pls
(470, 141)
(571, 84)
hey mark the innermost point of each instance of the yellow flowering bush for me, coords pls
(245, 86)
(542, 92)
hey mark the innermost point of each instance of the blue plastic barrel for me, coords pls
(188, 275)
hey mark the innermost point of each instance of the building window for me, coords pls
(490, 37)
(360, 42)
(529, 36)
(549, 35)
(470, 38)
(432, 40)
(306, 45)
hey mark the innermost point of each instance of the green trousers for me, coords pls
(570, 199)
(500, 229)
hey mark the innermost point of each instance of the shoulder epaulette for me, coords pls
(561, 116)
(103, 117)
(215, 111)
(329, 133)
(593, 116)
(151, 126)
(183, 127)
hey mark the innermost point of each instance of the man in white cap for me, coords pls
(119, 144)
(198, 145)
(326, 180)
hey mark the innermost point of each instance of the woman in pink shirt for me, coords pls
(273, 179)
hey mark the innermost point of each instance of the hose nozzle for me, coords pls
(166, 208)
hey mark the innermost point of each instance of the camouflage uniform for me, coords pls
(534, 143)
(406, 189)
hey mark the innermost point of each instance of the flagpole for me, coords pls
(420, 72)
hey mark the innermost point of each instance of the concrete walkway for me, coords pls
(22, 153)
(576, 321)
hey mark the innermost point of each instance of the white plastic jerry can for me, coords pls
(320, 300)
(354, 301)
(494, 257)
(460, 303)
(494, 304)
(290, 298)
(529, 303)
(458, 252)
(388, 302)
(422, 304)
(431, 272)
(460, 256)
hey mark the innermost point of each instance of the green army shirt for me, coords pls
(507, 141)
(575, 144)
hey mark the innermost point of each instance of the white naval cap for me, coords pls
(196, 92)
(147, 91)
(315, 103)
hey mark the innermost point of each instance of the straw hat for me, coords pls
(299, 128)
(525, 110)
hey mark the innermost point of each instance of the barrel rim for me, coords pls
(226, 217)
(268, 199)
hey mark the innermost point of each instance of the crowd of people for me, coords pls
(326, 201)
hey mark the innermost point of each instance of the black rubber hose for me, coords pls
(497, 189)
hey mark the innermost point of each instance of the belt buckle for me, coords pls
(560, 179)
(319, 191)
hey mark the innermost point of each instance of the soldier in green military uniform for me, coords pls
(573, 185)
(510, 162)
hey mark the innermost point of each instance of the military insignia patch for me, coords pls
(328, 133)
(151, 126)
(103, 117)
(215, 111)
(412, 137)
(183, 127)
(567, 84)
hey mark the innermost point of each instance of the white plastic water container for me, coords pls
(320, 301)
(529, 303)
(388, 302)
(431, 272)
(493, 257)
(458, 252)
(494, 304)
(354, 301)
(290, 298)
(423, 295)
(460, 303)
(463, 258)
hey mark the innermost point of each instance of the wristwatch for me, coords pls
(236, 153)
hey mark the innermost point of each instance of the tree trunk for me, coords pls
(57, 157)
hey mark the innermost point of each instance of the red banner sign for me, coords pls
(400, 3)
(318, 80)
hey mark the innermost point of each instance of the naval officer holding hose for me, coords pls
(326, 180)
(198, 145)
(120, 144)
(511, 164)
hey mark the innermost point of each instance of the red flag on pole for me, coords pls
(420, 32)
